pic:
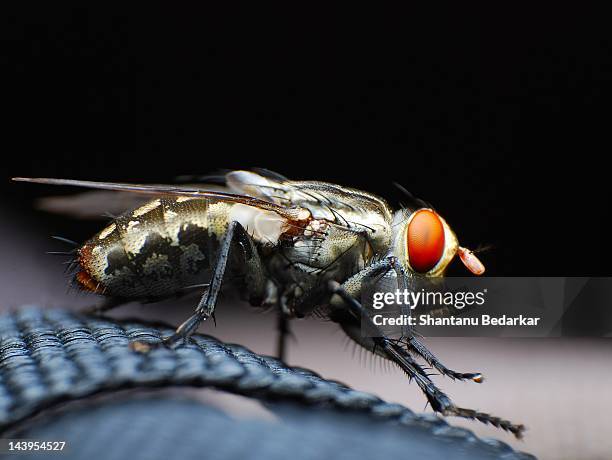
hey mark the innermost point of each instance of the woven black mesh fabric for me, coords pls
(51, 356)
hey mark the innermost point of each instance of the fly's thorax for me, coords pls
(154, 250)
(327, 249)
(345, 226)
(438, 242)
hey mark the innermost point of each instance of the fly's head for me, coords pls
(426, 244)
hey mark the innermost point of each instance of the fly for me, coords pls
(297, 246)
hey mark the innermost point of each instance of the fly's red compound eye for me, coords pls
(425, 240)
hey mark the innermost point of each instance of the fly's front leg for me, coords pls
(415, 345)
(408, 338)
(235, 234)
(393, 350)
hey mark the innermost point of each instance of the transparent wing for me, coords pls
(98, 204)
(294, 213)
(93, 204)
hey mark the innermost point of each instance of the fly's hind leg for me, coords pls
(235, 235)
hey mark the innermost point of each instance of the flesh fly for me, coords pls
(296, 246)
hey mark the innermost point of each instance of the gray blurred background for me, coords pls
(558, 387)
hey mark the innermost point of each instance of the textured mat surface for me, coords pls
(51, 356)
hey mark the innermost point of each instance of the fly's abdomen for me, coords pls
(154, 251)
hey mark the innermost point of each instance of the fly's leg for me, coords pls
(273, 299)
(393, 350)
(408, 338)
(415, 345)
(313, 297)
(283, 331)
(235, 234)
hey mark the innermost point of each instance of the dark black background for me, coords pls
(499, 117)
